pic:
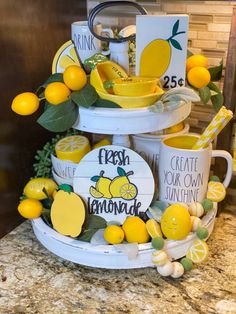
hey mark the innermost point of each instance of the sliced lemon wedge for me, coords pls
(198, 252)
(64, 57)
(216, 191)
(72, 148)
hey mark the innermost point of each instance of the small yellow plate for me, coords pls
(128, 102)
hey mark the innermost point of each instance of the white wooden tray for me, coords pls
(129, 121)
(107, 256)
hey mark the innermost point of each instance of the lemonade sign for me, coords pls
(115, 183)
(162, 48)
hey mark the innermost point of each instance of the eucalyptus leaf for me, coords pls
(87, 235)
(103, 103)
(175, 44)
(214, 87)
(217, 101)
(95, 222)
(86, 97)
(59, 118)
(216, 72)
(205, 94)
(56, 77)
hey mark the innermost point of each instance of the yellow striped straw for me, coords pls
(220, 120)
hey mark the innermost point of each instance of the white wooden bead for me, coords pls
(166, 269)
(178, 270)
(196, 209)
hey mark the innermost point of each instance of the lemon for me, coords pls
(74, 77)
(153, 228)
(101, 143)
(34, 188)
(56, 93)
(30, 208)
(128, 191)
(72, 148)
(199, 77)
(175, 222)
(196, 61)
(114, 234)
(25, 104)
(135, 230)
(175, 128)
(95, 193)
(155, 58)
(216, 191)
(64, 57)
(198, 252)
(103, 187)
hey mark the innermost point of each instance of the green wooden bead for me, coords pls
(202, 233)
(187, 263)
(214, 178)
(158, 243)
(207, 204)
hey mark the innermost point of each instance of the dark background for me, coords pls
(30, 34)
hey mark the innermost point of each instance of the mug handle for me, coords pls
(111, 35)
(224, 154)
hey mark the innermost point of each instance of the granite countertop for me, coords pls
(33, 280)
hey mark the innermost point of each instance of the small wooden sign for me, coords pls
(115, 181)
(161, 50)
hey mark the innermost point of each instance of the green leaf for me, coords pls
(189, 53)
(46, 214)
(217, 101)
(86, 97)
(65, 187)
(87, 235)
(205, 94)
(95, 178)
(121, 171)
(216, 72)
(56, 77)
(175, 28)
(175, 44)
(214, 87)
(59, 118)
(103, 103)
(95, 222)
(47, 203)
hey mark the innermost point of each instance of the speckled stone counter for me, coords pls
(32, 280)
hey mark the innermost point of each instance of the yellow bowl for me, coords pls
(128, 102)
(135, 86)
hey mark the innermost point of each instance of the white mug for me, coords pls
(184, 172)
(85, 43)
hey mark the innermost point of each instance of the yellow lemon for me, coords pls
(56, 93)
(216, 191)
(153, 228)
(128, 191)
(34, 188)
(175, 222)
(198, 252)
(114, 234)
(72, 148)
(103, 186)
(30, 208)
(64, 57)
(175, 128)
(101, 143)
(25, 104)
(199, 77)
(134, 86)
(196, 61)
(155, 58)
(135, 230)
(95, 193)
(116, 185)
(74, 77)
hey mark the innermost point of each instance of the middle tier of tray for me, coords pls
(130, 121)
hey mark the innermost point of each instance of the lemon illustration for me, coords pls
(120, 184)
(156, 56)
(95, 193)
(128, 191)
(102, 185)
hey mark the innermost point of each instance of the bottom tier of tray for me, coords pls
(110, 256)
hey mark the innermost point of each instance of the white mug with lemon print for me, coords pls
(85, 43)
(184, 172)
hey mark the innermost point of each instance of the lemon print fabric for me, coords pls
(156, 56)
(72, 148)
(68, 213)
(64, 57)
